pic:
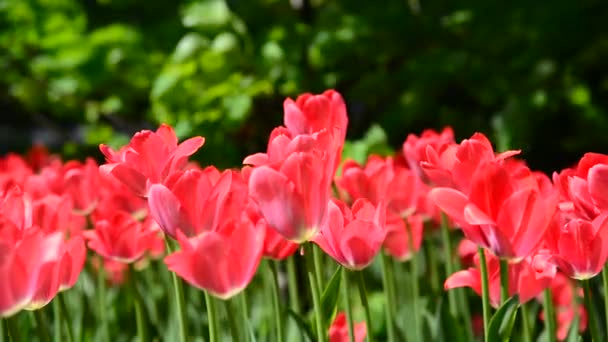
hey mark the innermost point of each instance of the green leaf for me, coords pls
(329, 299)
(302, 324)
(210, 13)
(503, 320)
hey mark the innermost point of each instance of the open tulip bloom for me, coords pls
(153, 231)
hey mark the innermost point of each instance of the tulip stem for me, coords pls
(244, 312)
(101, 297)
(211, 318)
(387, 279)
(57, 322)
(504, 280)
(316, 297)
(276, 300)
(364, 302)
(235, 331)
(605, 281)
(595, 333)
(414, 275)
(549, 315)
(178, 292)
(12, 329)
(139, 307)
(43, 329)
(485, 291)
(449, 264)
(456, 297)
(292, 284)
(4, 330)
(316, 253)
(348, 305)
(527, 333)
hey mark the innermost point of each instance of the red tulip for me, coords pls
(194, 201)
(338, 331)
(120, 237)
(579, 247)
(497, 214)
(149, 158)
(82, 182)
(414, 147)
(221, 262)
(353, 237)
(313, 113)
(397, 241)
(527, 278)
(23, 255)
(293, 198)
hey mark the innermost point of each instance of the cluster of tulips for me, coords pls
(526, 237)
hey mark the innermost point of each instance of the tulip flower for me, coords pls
(397, 241)
(527, 278)
(149, 158)
(414, 147)
(194, 201)
(293, 198)
(353, 237)
(338, 331)
(23, 256)
(120, 237)
(579, 247)
(312, 113)
(497, 215)
(221, 262)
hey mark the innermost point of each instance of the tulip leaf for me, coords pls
(302, 324)
(329, 299)
(503, 320)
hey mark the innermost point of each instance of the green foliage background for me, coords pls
(531, 74)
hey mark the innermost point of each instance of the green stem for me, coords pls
(316, 297)
(431, 255)
(57, 321)
(138, 305)
(212, 318)
(415, 289)
(244, 312)
(526, 331)
(605, 281)
(595, 333)
(504, 280)
(276, 303)
(449, 263)
(485, 291)
(233, 319)
(101, 297)
(3, 330)
(292, 284)
(65, 316)
(348, 305)
(178, 293)
(43, 330)
(316, 252)
(388, 280)
(363, 296)
(13, 329)
(549, 315)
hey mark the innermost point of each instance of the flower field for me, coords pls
(441, 240)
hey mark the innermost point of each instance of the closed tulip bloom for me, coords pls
(293, 198)
(353, 237)
(338, 331)
(71, 262)
(580, 247)
(120, 237)
(414, 147)
(23, 255)
(149, 158)
(312, 113)
(221, 262)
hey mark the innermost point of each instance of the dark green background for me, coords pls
(530, 74)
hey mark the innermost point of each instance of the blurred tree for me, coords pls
(530, 73)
